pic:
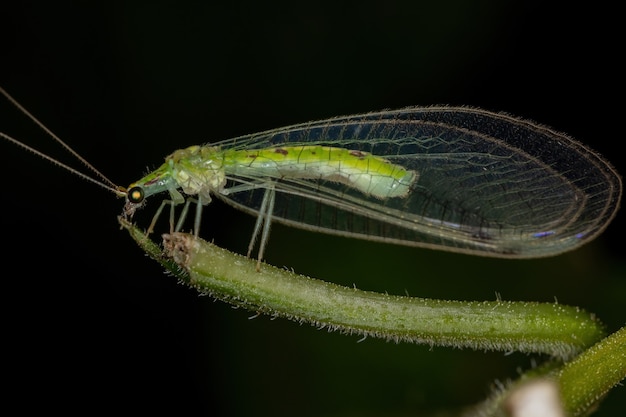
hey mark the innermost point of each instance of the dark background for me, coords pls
(90, 323)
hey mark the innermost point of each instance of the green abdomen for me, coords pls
(363, 171)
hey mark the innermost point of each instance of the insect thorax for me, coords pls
(198, 170)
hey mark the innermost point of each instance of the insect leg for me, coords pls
(259, 221)
(264, 219)
(183, 215)
(157, 214)
(270, 194)
(196, 222)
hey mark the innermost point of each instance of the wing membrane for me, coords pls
(487, 184)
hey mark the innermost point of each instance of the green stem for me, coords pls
(587, 378)
(558, 330)
(579, 385)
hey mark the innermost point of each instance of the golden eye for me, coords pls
(135, 195)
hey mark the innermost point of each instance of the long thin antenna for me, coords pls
(114, 189)
(103, 182)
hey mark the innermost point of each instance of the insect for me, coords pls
(452, 178)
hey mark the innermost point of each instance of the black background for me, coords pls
(90, 324)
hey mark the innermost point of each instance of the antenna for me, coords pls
(103, 182)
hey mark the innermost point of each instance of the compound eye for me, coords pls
(135, 195)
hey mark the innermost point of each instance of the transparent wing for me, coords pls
(488, 184)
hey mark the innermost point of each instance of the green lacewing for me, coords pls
(459, 179)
